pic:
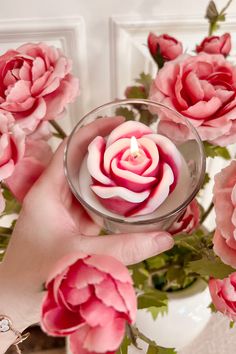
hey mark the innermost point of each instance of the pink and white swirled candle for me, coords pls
(134, 173)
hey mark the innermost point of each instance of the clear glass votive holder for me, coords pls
(185, 138)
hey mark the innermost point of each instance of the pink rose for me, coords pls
(12, 144)
(216, 45)
(224, 197)
(223, 293)
(133, 183)
(89, 298)
(2, 202)
(189, 221)
(167, 46)
(202, 89)
(35, 83)
(37, 156)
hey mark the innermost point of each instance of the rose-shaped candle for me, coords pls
(128, 176)
(135, 170)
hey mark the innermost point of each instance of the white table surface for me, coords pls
(216, 338)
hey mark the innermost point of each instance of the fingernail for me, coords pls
(164, 240)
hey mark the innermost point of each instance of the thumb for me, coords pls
(128, 248)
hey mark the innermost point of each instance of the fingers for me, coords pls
(128, 248)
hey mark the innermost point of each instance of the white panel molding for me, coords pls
(65, 33)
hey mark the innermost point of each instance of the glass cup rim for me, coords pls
(181, 207)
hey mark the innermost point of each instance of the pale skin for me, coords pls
(51, 224)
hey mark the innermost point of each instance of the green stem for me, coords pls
(61, 133)
(207, 212)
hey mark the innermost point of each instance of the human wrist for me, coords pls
(20, 305)
(6, 340)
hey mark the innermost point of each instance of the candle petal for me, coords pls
(106, 192)
(151, 148)
(127, 130)
(138, 169)
(96, 150)
(158, 195)
(117, 148)
(129, 179)
(169, 152)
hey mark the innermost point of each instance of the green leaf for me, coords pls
(214, 150)
(12, 205)
(175, 276)
(146, 117)
(214, 16)
(157, 262)
(156, 311)
(145, 80)
(103, 232)
(152, 345)
(211, 12)
(206, 179)
(140, 276)
(125, 112)
(211, 267)
(160, 350)
(212, 307)
(124, 346)
(231, 324)
(136, 92)
(152, 297)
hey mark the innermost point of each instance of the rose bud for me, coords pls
(223, 294)
(189, 221)
(135, 170)
(90, 299)
(224, 198)
(166, 46)
(215, 45)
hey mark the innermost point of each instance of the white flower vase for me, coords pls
(188, 314)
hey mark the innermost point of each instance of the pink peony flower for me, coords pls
(133, 184)
(189, 221)
(37, 156)
(167, 46)
(12, 144)
(2, 202)
(216, 45)
(35, 84)
(223, 293)
(224, 197)
(202, 88)
(89, 298)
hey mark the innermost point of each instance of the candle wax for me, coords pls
(173, 201)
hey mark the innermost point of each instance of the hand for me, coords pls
(51, 224)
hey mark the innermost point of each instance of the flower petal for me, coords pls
(127, 130)
(95, 313)
(80, 275)
(106, 338)
(109, 265)
(105, 192)
(108, 294)
(94, 161)
(158, 194)
(129, 180)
